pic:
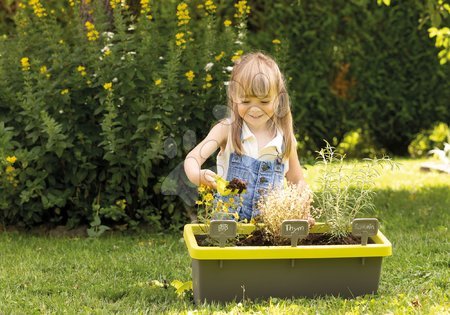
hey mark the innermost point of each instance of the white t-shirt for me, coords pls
(250, 145)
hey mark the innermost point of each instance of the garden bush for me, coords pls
(95, 106)
(100, 100)
(355, 64)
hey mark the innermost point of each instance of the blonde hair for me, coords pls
(258, 75)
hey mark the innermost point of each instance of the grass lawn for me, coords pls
(112, 274)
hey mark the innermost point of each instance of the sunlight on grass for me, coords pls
(113, 274)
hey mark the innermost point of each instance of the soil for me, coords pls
(259, 238)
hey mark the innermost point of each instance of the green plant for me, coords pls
(91, 92)
(345, 191)
(284, 203)
(226, 203)
(428, 139)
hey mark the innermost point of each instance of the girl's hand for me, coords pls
(208, 178)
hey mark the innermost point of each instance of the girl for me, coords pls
(257, 143)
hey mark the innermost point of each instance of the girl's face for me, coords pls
(256, 111)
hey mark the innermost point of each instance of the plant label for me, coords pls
(295, 230)
(365, 227)
(222, 230)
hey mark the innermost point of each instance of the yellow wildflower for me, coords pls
(227, 23)
(208, 79)
(11, 159)
(114, 3)
(10, 169)
(61, 41)
(222, 186)
(242, 9)
(145, 8)
(190, 75)
(276, 41)
(183, 14)
(180, 41)
(25, 62)
(121, 203)
(209, 197)
(72, 3)
(81, 70)
(220, 56)
(201, 189)
(37, 7)
(108, 86)
(43, 70)
(200, 6)
(92, 34)
(210, 6)
(158, 82)
(237, 55)
(65, 91)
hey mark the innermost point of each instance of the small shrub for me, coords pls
(284, 203)
(346, 190)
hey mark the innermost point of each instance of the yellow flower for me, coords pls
(220, 56)
(81, 70)
(190, 75)
(25, 62)
(61, 41)
(43, 70)
(227, 23)
(158, 82)
(237, 55)
(108, 86)
(208, 197)
(208, 79)
(11, 159)
(65, 91)
(10, 169)
(276, 41)
(180, 41)
(222, 186)
(183, 14)
(37, 7)
(145, 8)
(92, 34)
(201, 189)
(242, 9)
(210, 6)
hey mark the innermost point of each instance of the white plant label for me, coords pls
(295, 230)
(365, 227)
(222, 230)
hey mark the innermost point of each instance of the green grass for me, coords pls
(112, 274)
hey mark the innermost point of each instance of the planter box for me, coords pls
(233, 273)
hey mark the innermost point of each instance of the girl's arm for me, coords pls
(215, 139)
(295, 174)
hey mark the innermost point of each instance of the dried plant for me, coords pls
(288, 203)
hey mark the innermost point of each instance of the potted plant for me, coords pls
(225, 272)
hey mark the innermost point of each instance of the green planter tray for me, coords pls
(224, 274)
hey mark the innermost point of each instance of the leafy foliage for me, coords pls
(345, 191)
(90, 93)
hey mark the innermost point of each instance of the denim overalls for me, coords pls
(259, 176)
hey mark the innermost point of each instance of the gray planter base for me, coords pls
(233, 280)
